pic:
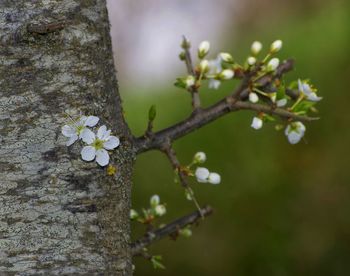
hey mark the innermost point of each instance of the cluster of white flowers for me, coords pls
(97, 144)
(203, 175)
(212, 69)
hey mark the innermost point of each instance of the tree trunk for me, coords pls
(59, 215)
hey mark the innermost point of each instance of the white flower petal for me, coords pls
(82, 121)
(71, 140)
(294, 137)
(88, 136)
(214, 84)
(253, 97)
(111, 143)
(102, 157)
(91, 121)
(101, 131)
(106, 135)
(214, 178)
(202, 174)
(88, 153)
(281, 103)
(68, 131)
(257, 123)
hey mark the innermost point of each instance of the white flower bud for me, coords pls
(253, 97)
(257, 123)
(202, 175)
(186, 232)
(226, 57)
(190, 81)
(276, 46)
(281, 103)
(251, 61)
(154, 201)
(133, 214)
(214, 178)
(203, 49)
(227, 74)
(160, 210)
(200, 157)
(204, 66)
(256, 47)
(273, 64)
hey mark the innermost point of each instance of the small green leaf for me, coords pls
(152, 113)
(156, 262)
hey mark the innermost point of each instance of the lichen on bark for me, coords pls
(58, 214)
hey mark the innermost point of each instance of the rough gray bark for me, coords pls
(58, 214)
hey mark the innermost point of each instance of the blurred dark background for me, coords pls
(281, 209)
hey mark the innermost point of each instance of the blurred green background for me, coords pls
(281, 209)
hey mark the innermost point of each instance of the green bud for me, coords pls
(152, 112)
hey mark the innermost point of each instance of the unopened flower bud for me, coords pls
(160, 210)
(273, 64)
(226, 57)
(204, 66)
(182, 56)
(185, 44)
(202, 174)
(186, 232)
(257, 123)
(253, 97)
(190, 81)
(133, 214)
(200, 157)
(226, 74)
(256, 47)
(276, 46)
(154, 201)
(203, 49)
(251, 61)
(214, 178)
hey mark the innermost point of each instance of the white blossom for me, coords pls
(256, 47)
(276, 46)
(98, 145)
(257, 123)
(307, 91)
(214, 69)
(253, 97)
(251, 61)
(74, 130)
(214, 84)
(294, 132)
(202, 174)
(203, 49)
(160, 210)
(273, 64)
(214, 178)
(200, 157)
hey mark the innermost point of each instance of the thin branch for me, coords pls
(171, 154)
(226, 105)
(196, 102)
(168, 230)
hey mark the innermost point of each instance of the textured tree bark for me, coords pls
(58, 214)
